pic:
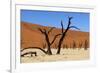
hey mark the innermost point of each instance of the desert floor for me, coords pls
(66, 55)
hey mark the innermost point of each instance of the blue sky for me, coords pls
(53, 18)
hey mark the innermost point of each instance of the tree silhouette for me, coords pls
(64, 33)
(49, 43)
(46, 34)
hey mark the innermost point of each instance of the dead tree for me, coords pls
(46, 35)
(80, 45)
(85, 44)
(74, 45)
(65, 46)
(49, 43)
(64, 33)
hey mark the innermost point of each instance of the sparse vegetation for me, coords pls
(74, 45)
(86, 45)
(34, 28)
(80, 45)
(65, 46)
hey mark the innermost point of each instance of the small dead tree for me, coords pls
(86, 45)
(74, 45)
(64, 33)
(80, 45)
(65, 46)
(70, 45)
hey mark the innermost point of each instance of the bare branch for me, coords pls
(51, 30)
(69, 21)
(45, 33)
(55, 38)
(62, 27)
(63, 35)
(22, 55)
(35, 48)
(40, 30)
(74, 27)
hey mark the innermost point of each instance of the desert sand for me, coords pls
(66, 55)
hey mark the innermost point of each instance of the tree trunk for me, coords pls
(59, 45)
(60, 42)
(49, 51)
(48, 44)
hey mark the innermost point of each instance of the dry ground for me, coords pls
(66, 54)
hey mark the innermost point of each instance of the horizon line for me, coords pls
(51, 26)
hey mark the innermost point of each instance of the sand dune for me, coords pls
(32, 37)
(66, 55)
